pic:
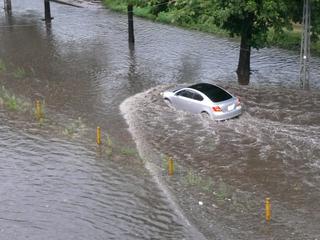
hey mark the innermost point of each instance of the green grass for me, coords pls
(290, 39)
(129, 152)
(109, 146)
(144, 12)
(20, 72)
(11, 102)
(195, 180)
(73, 128)
(287, 40)
(109, 141)
(109, 151)
(165, 17)
(3, 66)
(222, 192)
(315, 47)
(115, 6)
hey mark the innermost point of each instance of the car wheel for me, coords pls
(168, 102)
(205, 115)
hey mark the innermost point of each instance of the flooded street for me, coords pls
(57, 184)
(59, 189)
(264, 152)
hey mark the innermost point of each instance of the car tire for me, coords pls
(205, 115)
(168, 102)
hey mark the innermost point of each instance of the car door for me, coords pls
(182, 99)
(196, 104)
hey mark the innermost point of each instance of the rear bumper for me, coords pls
(227, 115)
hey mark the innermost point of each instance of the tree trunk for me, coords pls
(243, 69)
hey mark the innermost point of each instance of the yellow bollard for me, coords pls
(170, 167)
(98, 138)
(268, 210)
(39, 112)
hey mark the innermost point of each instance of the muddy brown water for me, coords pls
(57, 187)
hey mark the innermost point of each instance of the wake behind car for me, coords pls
(206, 99)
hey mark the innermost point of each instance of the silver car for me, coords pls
(204, 98)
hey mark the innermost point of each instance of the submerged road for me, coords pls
(57, 185)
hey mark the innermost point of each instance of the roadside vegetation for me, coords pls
(11, 102)
(171, 14)
(3, 66)
(257, 24)
(20, 72)
(26, 110)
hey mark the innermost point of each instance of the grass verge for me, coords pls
(11, 102)
(3, 66)
(287, 40)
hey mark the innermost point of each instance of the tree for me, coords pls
(296, 12)
(251, 20)
(158, 6)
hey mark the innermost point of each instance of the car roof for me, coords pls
(203, 87)
(214, 92)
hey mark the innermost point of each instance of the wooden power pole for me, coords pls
(305, 46)
(7, 6)
(47, 11)
(130, 24)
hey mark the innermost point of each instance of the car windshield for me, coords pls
(213, 92)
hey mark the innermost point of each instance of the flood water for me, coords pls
(60, 187)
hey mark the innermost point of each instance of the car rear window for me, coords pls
(213, 92)
(185, 93)
(197, 97)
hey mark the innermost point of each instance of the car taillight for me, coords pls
(238, 101)
(216, 109)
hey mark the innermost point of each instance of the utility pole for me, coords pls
(305, 46)
(7, 6)
(47, 11)
(130, 23)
